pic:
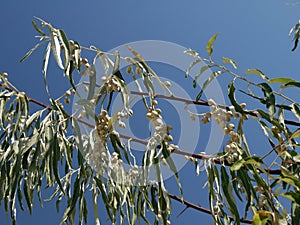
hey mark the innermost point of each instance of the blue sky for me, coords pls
(254, 33)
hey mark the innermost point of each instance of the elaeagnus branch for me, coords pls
(200, 156)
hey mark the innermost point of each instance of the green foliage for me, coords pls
(48, 147)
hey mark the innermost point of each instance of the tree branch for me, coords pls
(205, 103)
(176, 151)
(202, 209)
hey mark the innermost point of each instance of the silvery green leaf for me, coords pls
(55, 46)
(296, 110)
(32, 50)
(45, 65)
(187, 72)
(213, 76)
(65, 43)
(192, 53)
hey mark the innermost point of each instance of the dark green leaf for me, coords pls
(291, 180)
(291, 84)
(20, 196)
(171, 164)
(28, 196)
(295, 213)
(231, 90)
(77, 55)
(265, 116)
(116, 142)
(202, 70)
(37, 28)
(213, 76)
(270, 98)
(56, 157)
(227, 190)
(295, 197)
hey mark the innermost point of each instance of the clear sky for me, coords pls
(254, 33)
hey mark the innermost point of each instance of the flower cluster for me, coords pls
(68, 93)
(223, 117)
(100, 159)
(111, 83)
(75, 57)
(102, 124)
(105, 163)
(123, 115)
(161, 130)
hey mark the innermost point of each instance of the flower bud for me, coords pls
(167, 83)
(129, 69)
(211, 102)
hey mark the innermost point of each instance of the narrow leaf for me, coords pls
(202, 70)
(230, 61)
(261, 218)
(187, 72)
(231, 95)
(295, 213)
(65, 43)
(171, 164)
(213, 76)
(209, 46)
(280, 80)
(270, 98)
(227, 189)
(192, 53)
(55, 46)
(32, 50)
(257, 72)
(295, 197)
(37, 28)
(45, 65)
(291, 84)
(92, 82)
(296, 110)
(117, 62)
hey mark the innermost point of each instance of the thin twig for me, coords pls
(205, 103)
(202, 209)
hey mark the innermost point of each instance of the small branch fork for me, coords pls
(202, 209)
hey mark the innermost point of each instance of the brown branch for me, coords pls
(5, 86)
(176, 151)
(205, 103)
(202, 209)
(200, 156)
